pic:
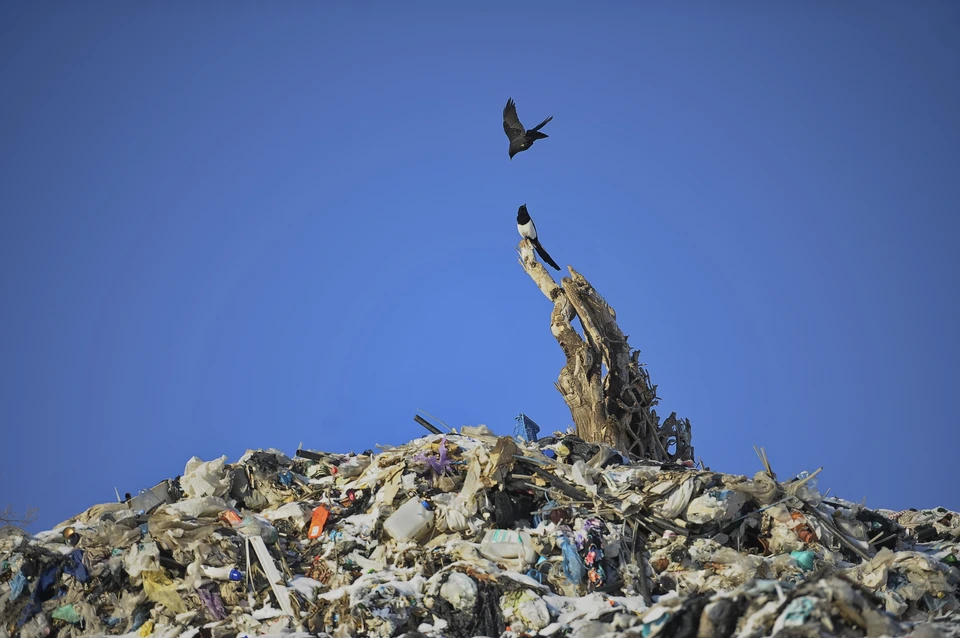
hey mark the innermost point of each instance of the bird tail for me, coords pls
(544, 256)
(541, 125)
(536, 135)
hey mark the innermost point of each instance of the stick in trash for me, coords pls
(422, 421)
(836, 531)
(437, 420)
(307, 454)
(762, 453)
(846, 542)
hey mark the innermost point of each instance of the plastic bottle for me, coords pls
(411, 521)
(808, 492)
(508, 544)
(217, 573)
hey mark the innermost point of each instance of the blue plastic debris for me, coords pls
(76, 568)
(526, 429)
(573, 567)
(140, 615)
(17, 585)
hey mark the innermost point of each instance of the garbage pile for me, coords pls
(474, 534)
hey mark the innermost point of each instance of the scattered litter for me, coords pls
(474, 534)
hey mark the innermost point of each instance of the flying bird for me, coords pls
(528, 230)
(520, 139)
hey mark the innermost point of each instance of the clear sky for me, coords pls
(241, 225)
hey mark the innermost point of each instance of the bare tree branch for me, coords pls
(9, 517)
(615, 407)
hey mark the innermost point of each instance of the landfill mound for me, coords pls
(474, 534)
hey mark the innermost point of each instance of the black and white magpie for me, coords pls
(528, 230)
(520, 139)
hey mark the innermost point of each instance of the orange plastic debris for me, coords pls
(231, 516)
(319, 519)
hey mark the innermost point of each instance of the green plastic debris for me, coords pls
(67, 614)
(804, 559)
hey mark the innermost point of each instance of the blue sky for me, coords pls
(232, 226)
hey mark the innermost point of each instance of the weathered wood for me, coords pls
(615, 407)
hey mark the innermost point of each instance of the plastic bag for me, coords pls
(254, 526)
(678, 500)
(160, 589)
(762, 489)
(805, 489)
(353, 467)
(67, 614)
(205, 478)
(200, 507)
(451, 515)
(142, 557)
(715, 505)
(460, 591)
(525, 611)
(17, 585)
(573, 567)
(291, 511)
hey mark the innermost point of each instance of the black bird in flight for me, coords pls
(520, 139)
(528, 230)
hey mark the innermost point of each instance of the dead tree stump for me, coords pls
(603, 383)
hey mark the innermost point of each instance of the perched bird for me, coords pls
(528, 230)
(520, 139)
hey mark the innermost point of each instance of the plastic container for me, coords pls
(220, 573)
(412, 521)
(808, 492)
(508, 544)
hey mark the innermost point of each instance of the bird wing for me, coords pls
(511, 123)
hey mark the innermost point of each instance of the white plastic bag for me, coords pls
(205, 478)
(715, 505)
(460, 591)
(292, 511)
(142, 557)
